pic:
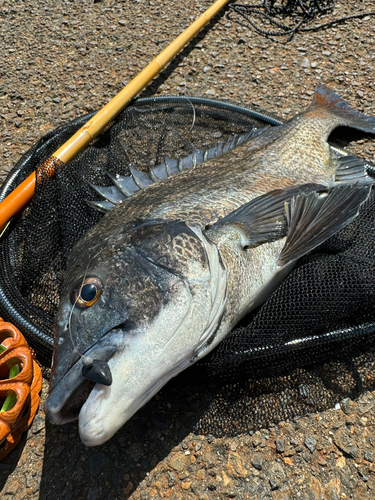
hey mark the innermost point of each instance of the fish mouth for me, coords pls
(75, 397)
(72, 392)
(101, 409)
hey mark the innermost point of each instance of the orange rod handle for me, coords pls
(17, 199)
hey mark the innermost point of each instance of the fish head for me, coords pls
(146, 302)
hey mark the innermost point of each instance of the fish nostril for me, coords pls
(96, 370)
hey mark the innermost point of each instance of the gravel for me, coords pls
(62, 59)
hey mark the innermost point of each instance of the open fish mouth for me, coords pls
(99, 408)
(74, 390)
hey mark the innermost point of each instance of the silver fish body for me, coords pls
(168, 272)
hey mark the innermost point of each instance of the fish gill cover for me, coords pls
(323, 311)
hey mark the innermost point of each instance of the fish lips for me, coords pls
(70, 392)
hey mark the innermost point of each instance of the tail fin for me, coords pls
(346, 116)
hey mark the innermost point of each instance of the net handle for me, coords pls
(22, 195)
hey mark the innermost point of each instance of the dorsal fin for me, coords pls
(127, 185)
(142, 179)
(111, 193)
(124, 183)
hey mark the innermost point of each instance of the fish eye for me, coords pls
(88, 293)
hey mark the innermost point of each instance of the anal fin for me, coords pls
(351, 170)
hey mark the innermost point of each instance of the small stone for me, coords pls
(368, 455)
(310, 443)
(235, 466)
(29, 481)
(11, 488)
(341, 462)
(186, 484)
(210, 92)
(201, 475)
(226, 479)
(305, 63)
(360, 93)
(347, 406)
(256, 441)
(178, 462)
(343, 441)
(39, 424)
(212, 487)
(257, 461)
(273, 484)
(326, 53)
(172, 479)
(280, 447)
(322, 461)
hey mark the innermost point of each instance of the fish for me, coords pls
(168, 272)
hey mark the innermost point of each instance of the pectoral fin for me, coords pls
(307, 215)
(314, 218)
(264, 219)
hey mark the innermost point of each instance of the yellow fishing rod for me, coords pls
(22, 195)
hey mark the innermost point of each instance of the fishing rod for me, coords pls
(21, 196)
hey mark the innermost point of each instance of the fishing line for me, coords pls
(194, 114)
(306, 10)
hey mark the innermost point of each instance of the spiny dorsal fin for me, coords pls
(111, 193)
(101, 206)
(171, 166)
(127, 185)
(142, 179)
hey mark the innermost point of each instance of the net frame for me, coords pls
(224, 362)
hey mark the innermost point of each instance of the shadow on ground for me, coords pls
(116, 469)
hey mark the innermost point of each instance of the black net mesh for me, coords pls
(324, 310)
